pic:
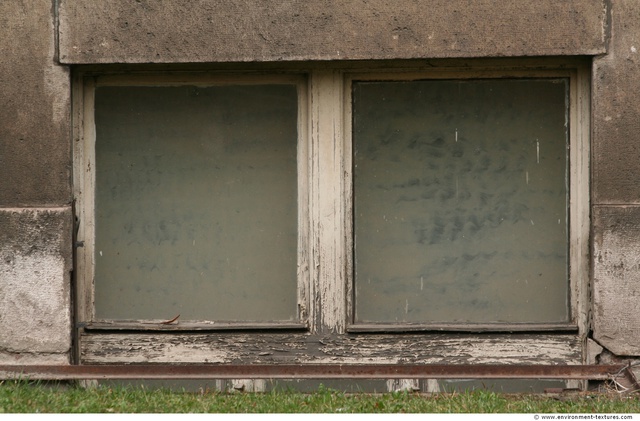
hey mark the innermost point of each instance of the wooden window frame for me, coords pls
(325, 239)
(578, 187)
(84, 158)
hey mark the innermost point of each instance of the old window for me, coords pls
(334, 213)
(195, 201)
(461, 200)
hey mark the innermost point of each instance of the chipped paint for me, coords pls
(291, 348)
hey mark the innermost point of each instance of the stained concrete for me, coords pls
(255, 30)
(616, 126)
(616, 278)
(616, 184)
(35, 142)
(35, 188)
(35, 265)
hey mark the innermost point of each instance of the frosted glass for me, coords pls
(196, 202)
(460, 207)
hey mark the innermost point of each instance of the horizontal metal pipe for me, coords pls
(310, 371)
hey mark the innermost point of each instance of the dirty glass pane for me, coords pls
(196, 202)
(460, 207)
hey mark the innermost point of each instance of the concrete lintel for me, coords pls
(174, 31)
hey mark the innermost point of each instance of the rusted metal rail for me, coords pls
(317, 371)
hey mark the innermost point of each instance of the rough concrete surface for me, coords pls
(174, 31)
(616, 126)
(35, 264)
(35, 164)
(616, 278)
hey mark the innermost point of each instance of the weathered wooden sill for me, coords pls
(289, 347)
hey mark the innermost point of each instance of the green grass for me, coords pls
(21, 397)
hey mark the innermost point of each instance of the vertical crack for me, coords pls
(56, 31)
(607, 24)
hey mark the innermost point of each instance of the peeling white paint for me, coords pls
(386, 349)
(403, 385)
(433, 386)
(326, 205)
(247, 385)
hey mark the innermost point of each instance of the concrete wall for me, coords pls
(616, 184)
(35, 187)
(35, 135)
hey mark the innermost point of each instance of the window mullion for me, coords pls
(327, 203)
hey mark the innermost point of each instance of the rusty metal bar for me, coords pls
(310, 371)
